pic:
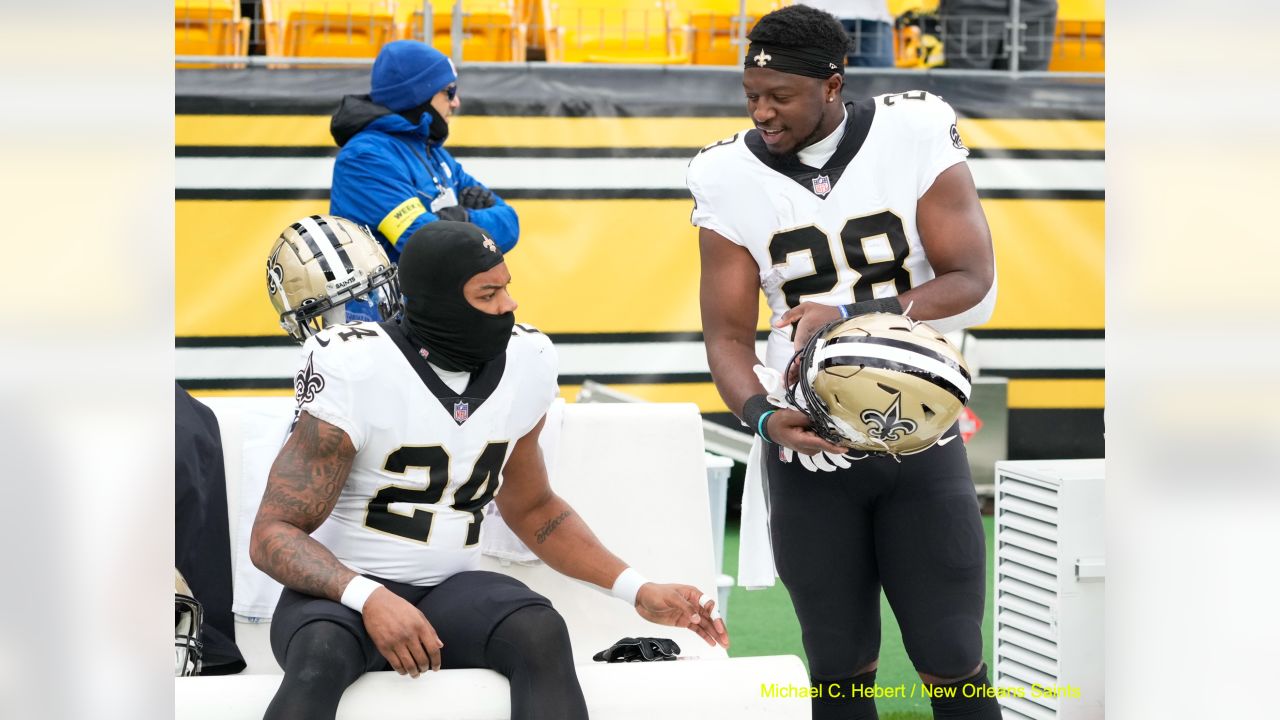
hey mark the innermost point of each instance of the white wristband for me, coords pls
(358, 591)
(627, 586)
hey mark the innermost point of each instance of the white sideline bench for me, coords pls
(637, 475)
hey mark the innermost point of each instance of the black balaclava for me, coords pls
(436, 262)
(430, 123)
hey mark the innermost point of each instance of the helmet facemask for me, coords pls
(188, 624)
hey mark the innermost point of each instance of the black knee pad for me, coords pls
(535, 629)
(531, 648)
(846, 698)
(972, 698)
(323, 659)
(325, 654)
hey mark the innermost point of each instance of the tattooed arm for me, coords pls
(302, 488)
(546, 523)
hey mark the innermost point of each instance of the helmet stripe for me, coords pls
(320, 247)
(891, 358)
(331, 232)
(905, 345)
(895, 366)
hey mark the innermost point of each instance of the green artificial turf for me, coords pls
(762, 622)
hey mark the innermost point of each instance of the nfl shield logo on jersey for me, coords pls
(461, 411)
(822, 185)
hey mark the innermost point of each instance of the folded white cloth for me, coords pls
(254, 593)
(496, 538)
(755, 550)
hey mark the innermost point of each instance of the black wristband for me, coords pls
(753, 410)
(885, 305)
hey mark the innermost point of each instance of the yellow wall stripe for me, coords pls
(1033, 394)
(487, 130)
(252, 130)
(1033, 134)
(1023, 394)
(281, 392)
(625, 265)
(1050, 263)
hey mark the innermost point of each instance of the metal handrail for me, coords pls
(280, 60)
(1012, 34)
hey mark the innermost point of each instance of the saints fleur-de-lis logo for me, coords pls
(307, 383)
(889, 425)
(275, 277)
(762, 58)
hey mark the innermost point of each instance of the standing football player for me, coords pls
(371, 516)
(840, 209)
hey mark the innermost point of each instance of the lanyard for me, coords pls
(440, 188)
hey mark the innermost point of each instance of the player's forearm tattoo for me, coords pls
(550, 527)
(303, 486)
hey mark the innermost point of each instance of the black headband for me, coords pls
(796, 61)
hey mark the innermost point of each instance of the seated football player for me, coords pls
(371, 517)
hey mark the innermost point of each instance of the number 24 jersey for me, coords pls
(428, 459)
(839, 234)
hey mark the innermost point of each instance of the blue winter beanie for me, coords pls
(407, 73)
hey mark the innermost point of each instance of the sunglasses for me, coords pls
(452, 91)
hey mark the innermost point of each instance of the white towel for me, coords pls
(755, 550)
(496, 538)
(255, 594)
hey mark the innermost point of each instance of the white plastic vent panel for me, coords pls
(1048, 625)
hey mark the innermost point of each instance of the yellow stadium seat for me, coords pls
(710, 27)
(1079, 45)
(1082, 10)
(897, 7)
(612, 31)
(328, 28)
(492, 30)
(209, 27)
(531, 17)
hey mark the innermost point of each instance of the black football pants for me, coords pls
(911, 527)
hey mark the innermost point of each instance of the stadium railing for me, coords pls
(209, 27)
(277, 33)
(482, 30)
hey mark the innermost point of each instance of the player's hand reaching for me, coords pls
(808, 317)
(682, 606)
(790, 428)
(401, 633)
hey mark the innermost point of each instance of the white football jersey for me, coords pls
(839, 234)
(428, 459)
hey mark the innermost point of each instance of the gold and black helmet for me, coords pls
(881, 383)
(325, 270)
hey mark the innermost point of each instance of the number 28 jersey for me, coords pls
(428, 459)
(839, 234)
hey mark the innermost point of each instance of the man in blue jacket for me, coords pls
(393, 173)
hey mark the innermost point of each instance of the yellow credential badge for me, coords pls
(398, 220)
